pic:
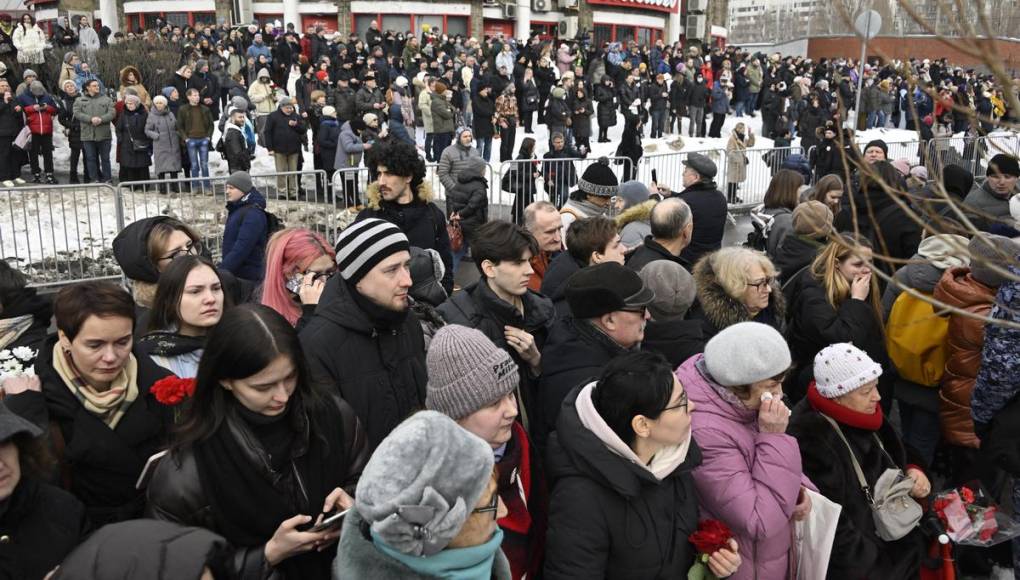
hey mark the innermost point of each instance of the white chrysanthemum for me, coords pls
(5, 354)
(23, 353)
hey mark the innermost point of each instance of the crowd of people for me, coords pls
(298, 407)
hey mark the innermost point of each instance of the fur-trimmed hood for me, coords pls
(124, 75)
(424, 194)
(641, 212)
(722, 310)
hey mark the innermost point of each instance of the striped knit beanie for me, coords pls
(599, 179)
(467, 372)
(366, 243)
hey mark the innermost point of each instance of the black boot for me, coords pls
(37, 177)
(50, 179)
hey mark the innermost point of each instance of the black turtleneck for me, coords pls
(381, 318)
(275, 433)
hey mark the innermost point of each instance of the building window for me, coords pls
(177, 19)
(396, 22)
(457, 25)
(623, 33)
(362, 23)
(603, 34)
(434, 22)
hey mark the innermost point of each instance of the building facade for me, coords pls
(644, 21)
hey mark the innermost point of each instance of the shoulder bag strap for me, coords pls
(884, 452)
(853, 458)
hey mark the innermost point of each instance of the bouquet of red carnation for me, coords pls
(171, 390)
(971, 518)
(710, 537)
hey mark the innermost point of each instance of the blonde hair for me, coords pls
(825, 269)
(731, 265)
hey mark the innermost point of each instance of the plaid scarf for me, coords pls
(109, 405)
(12, 328)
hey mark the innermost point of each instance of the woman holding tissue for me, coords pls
(750, 476)
(841, 416)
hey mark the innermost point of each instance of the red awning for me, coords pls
(657, 5)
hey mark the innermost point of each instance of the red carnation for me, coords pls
(712, 536)
(968, 495)
(171, 390)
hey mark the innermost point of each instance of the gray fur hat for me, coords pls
(422, 483)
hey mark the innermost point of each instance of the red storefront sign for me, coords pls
(658, 5)
(326, 21)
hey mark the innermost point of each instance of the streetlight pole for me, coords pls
(865, 36)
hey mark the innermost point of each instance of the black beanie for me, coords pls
(599, 179)
(877, 143)
(957, 180)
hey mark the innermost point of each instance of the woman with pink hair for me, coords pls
(298, 264)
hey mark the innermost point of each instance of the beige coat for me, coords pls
(736, 158)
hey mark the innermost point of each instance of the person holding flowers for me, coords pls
(189, 302)
(91, 397)
(623, 499)
(260, 455)
(841, 415)
(750, 474)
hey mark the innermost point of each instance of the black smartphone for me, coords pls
(655, 177)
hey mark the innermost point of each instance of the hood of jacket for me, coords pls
(124, 75)
(721, 309)
(959, 289)
(424, 193)
(472, 172)
(575, 450)
(641, 212)
(131, 250)
(145, 549)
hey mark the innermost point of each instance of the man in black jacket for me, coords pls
(708, 207)
(401, 196)
(609, 309)
(363, 338)
(500, 304)
(235, 146)
(672, 225)
(285, 136)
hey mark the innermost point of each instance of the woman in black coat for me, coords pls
(468, 202)
(40, 523)
(520, 179)
(622, 506)
(845, 398)
(630, 143)
(260, 453)
(135, 147)
(835, 300)
(605, 96)
(92, 396)
(529, 100)
(580, 124)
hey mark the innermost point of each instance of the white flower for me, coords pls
(12, 366)
(23, 353)
(5, 354)
(29, 372)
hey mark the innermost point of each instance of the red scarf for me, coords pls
(844, 415)
(518, 518)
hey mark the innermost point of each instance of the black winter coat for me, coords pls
(131, 133)
(610, 518)
(658, 95)
(23, 302)
(795, 253)
(235, 147)
(176, 493)
(280, 137)
(328, 140)
(529, 99)
(557, 114)
(554, 283)
(42, 524)
(582, 110)
(857, 552)
(651, 251)
(425, 227)
(888, 226)
(11, 121)
(677, 340)
(605, 96)
(628, 94)
(65, 115)
(380, 372)
(709, 209)
(574, 354)
(470, 198)
(482, 109)
(102, 464)
(698, 96)
(344, 102)
(814, 324)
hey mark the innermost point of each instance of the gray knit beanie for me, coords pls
(745, 353)
(466, 372)
(28, 73)
(633, 192)
(241, 180)
(986, 250)
(37, 88)
(239, 102)
(422, 483)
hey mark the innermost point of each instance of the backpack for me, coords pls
(273, 222)
(916, 340)
(762, 224)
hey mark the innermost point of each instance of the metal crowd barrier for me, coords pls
(556, 178)
(56, 234)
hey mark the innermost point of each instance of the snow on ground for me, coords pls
(65, 232)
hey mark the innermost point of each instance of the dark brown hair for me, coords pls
(589, 235)
(76, 303)
(782, 191)
(166, 306)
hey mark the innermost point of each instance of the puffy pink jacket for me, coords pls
(747, 479)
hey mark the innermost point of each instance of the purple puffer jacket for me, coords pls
(747, 479)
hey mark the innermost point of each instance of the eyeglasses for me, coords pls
(681, 405)
(191, 249)
(763, 284)
(492, 507)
